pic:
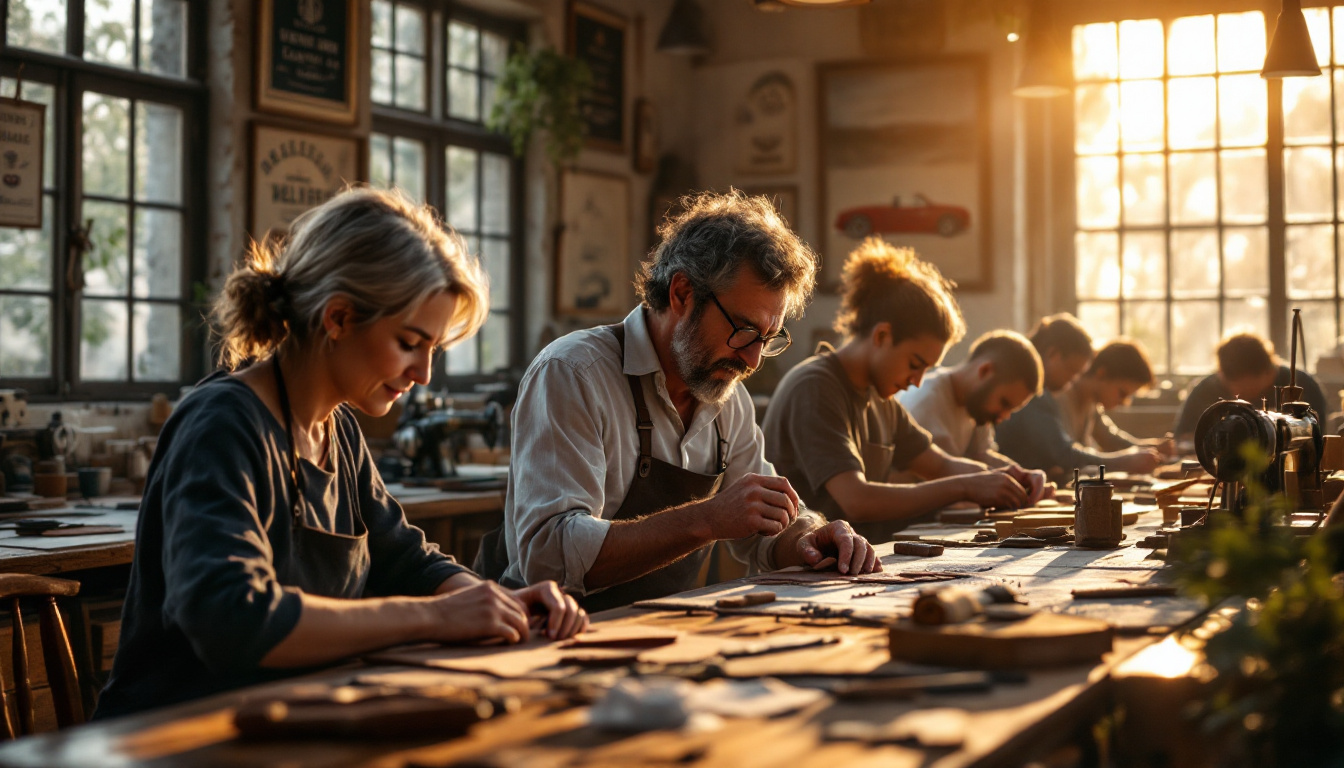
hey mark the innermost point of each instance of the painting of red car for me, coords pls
(915, 213)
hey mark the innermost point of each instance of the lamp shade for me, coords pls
(684, 32)
(1047, 70)
(1291, 53)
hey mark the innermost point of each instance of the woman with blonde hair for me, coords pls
(267, 542)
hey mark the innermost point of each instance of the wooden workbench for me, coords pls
(1008, 725)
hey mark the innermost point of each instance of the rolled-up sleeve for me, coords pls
(221, 586)
(553, 510)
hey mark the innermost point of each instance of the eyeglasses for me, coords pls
(744, 336)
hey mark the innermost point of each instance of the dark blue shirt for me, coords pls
(1211, 389)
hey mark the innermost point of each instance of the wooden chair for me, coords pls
(60, 661)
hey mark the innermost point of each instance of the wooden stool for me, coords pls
(60, 661)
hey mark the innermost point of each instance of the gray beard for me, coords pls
(697, 367)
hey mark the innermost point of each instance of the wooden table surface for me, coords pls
(1005, 726)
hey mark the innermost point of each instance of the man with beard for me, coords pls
(834, 426)
(960, 405)
(635, 445)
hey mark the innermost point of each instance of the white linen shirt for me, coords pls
(933, 405)
(575, 450)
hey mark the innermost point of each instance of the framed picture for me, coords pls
(646, 137)
(597, 37)
(904, 155)
(765, 122)
(21, 163)
(593, 272)
(307, 58)
(785, 198)
(293, 171)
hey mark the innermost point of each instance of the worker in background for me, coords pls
(1247, 369)
(834, 426)
(639, 441)
(1053, 431)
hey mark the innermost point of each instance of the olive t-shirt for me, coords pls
(818, 426)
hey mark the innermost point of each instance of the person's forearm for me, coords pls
(995, 460)
(633, 548)
(887, 502)
(329, 629)
(459, 580)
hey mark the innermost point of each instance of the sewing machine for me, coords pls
(430, 433)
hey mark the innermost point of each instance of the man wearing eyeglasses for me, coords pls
(635, 445)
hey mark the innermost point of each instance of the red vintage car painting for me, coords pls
(912, 214)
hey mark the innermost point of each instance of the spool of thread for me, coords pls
(1098, 516)
(955, 605)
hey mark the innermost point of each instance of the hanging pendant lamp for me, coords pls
(1047, 71)
(1291, 53)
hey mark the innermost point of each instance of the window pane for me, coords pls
(158, 153)
(1192, 103)
(1248, 315)
(382, 24)
(1145, 189)
(1318, 324)
(1096, 113)
(163, 37)
(1242, 109)
(380, 160)
(158, 253)
(1307, 184)
(410, 83)
(1194, 336)
(1245, 186)
(1141, 115)
(25, 254)
(1194, 188)
(1241, 42)
(103, 334)
(1339, 35)
(1096, 52)
(1318, 25)
(1146, 321)
(495, 343)
(461, 358)
(1097, 274)
(409, 167)
(1144, 261)
(1306, 110)
(489, 89)
(462, 189)
(37, 24)
(410, 30)
(1190, 48)
(1101, 319)
(109, 31)
(1310, 256)
(494, 52)
(463, 94)
(106, 144)
(463, 45)
(156, 342)
(1245, 261)
(1140, 49)
(1098, 192)
(25, 333)
(1195, 263)
(106, 264)
(494, 194)
(495, 255)
(380, 89)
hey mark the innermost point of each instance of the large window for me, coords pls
(435, 66)
(99, 300)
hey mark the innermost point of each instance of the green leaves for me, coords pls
(540, 91)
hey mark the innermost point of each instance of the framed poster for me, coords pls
(22, 124)
(766, 126)
(307, 58)
(293, 171)
(597, 37)
(784, 198)
(593, 272)
(904, 156)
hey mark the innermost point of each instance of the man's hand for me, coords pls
(1139, 461)
(853, 553)
(995, 489)
(552, 609)
(755, 504)
(1034, 481)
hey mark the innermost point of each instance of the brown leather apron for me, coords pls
(657, 485)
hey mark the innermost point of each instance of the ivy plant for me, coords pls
(540, 90)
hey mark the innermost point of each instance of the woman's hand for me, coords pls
(552, 609)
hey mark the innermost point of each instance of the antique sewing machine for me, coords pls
(430, 433)
(1289, 433)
